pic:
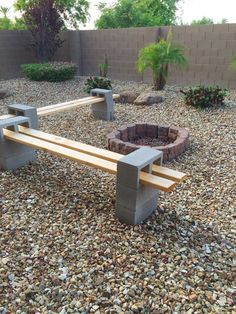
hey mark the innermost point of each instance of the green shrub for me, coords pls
(204, 96)
(97, 82)
(51, 72)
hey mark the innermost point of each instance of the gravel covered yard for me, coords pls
(63, 251)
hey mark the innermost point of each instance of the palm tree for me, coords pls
(4, 11)
(158, 57)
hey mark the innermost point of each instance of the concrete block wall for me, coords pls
(208, 48)
(14, 51)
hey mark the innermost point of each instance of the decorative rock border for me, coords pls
(120, 140)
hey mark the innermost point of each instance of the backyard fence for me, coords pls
(208, 48)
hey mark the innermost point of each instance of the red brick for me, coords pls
(152, 130)
(141, 129)
(163, 131)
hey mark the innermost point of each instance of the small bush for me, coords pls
(204, 96)
(51, 72)
(97, 82)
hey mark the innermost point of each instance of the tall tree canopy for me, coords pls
(74, 11)
(7, 24)
(204, 21)
(137, 13)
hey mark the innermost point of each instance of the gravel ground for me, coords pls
(62, 250)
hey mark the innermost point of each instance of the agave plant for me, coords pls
(158, 57)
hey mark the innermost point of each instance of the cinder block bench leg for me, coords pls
(25, 111)
(135, 202)
(14, 155)
(105, 109)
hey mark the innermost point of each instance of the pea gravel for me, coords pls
(63, 251)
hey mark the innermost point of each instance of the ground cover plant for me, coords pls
(158, 57)
(204, 96)
(97, 82)
(63, 250)
(51, 72)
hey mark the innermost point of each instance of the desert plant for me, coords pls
(51, 72)
(158, 57)
(204, 96)
(103, 68)
(97, 82)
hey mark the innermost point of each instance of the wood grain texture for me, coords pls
(89, 160)
(99, 152)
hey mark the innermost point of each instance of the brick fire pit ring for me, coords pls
(172, 141)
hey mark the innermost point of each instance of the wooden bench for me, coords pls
(60, 107)
(138, 179)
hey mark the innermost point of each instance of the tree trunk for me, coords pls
(159, 78)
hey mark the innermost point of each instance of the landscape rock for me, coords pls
(4, 94)
(149, 98)
(128, 97)
(58, 216)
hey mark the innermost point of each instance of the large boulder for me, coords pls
(3, 93)
(149, 98)
(128, 97)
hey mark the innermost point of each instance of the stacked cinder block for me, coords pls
(14, 155)
(103, 110)
(134, 201)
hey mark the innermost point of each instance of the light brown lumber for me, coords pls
(99, 152)
(44, 111)
(65, 105)
(98, 163)
(81, 100)
(7, 116)
(71, 104)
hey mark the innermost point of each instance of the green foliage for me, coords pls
(97, 82)
(74, 11)
(7, 24)
(51, 72)
(204, 96)
(137, 13)
(158, 57)
(103, 68)
(233, 63)
(4, 11)
(203, 21)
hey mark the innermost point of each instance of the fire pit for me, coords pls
(172, 141)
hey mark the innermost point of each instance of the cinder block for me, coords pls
(14, 155)
(105, 109)
(134, 201)
(25, 111)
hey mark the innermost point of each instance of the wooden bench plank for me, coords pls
(99, 152)
(44, 111)
(7, 116)
(65, 105)
(71, 104)
(89, 160)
